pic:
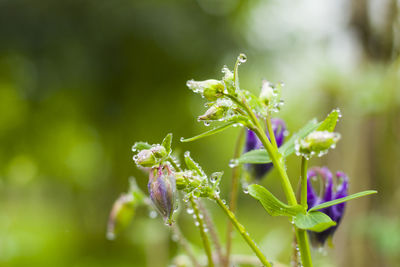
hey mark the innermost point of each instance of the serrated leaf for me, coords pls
(329, 123)
(166, 143)
(140, 146)
(193, 165)
(343, 199)
(261, 155)
(208, 133)
(271, 204)
(314, 221)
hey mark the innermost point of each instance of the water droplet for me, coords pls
(175, 238)
(205, 230)
(242, 58)
(135, 158)
(206, 123)
(196, 223)
(152, 214)
(181, 139)
(190, 211)
(233, 163)
(110, 236)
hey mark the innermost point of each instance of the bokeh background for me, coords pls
(82, 80)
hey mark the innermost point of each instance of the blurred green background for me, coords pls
(82, 80)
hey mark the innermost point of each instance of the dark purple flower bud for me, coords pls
(328, 192)
(162, 189)
(253, 143)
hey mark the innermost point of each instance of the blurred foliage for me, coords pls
(81, 81)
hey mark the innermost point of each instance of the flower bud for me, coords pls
(159, 151)
(214, 90)
(267, 92)
(213, 113)
(121, 214)
(145, 158)
(317, 142)
(210, 89)
(162, 189)
(329, 193)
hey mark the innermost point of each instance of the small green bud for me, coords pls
(210, 89)
(213, 90)
(215, 112)
(267, 92)
(159, 151)
(317, 142)
(121, 215)
(145, 158)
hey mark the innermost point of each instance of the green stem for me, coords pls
(271, 132)
(276, 157)
(243, 232)
(278, 162)
(204, 237)
(234, 195)
(303, 196)
(304, 247)
(302, 237)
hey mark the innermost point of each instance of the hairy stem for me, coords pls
(271, 132)
(234, 194)
(203, 234)
(303, 196)
(185, 244)
(243, 232)
(213, 233)
(304, 247)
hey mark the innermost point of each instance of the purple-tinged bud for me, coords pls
(210, 89)
(162, 190)
(159, 151)
(329, 193)
(253, 143)
(121, 214)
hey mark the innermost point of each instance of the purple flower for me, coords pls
(328, 193)
(252, 143)
(162, 189)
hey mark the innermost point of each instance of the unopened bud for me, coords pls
(159, 151)
(162, 189)
(121, 214)
(145, 158)
(318, 142)
(267, 92)
(215, 112)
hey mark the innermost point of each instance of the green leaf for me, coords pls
(208, 133)
(315, 221)
(255, 156)
(140, 146)
(343, 199)
(192, 165)
(271, 204)
(329, 123)
(166, 143)
(262, 156)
